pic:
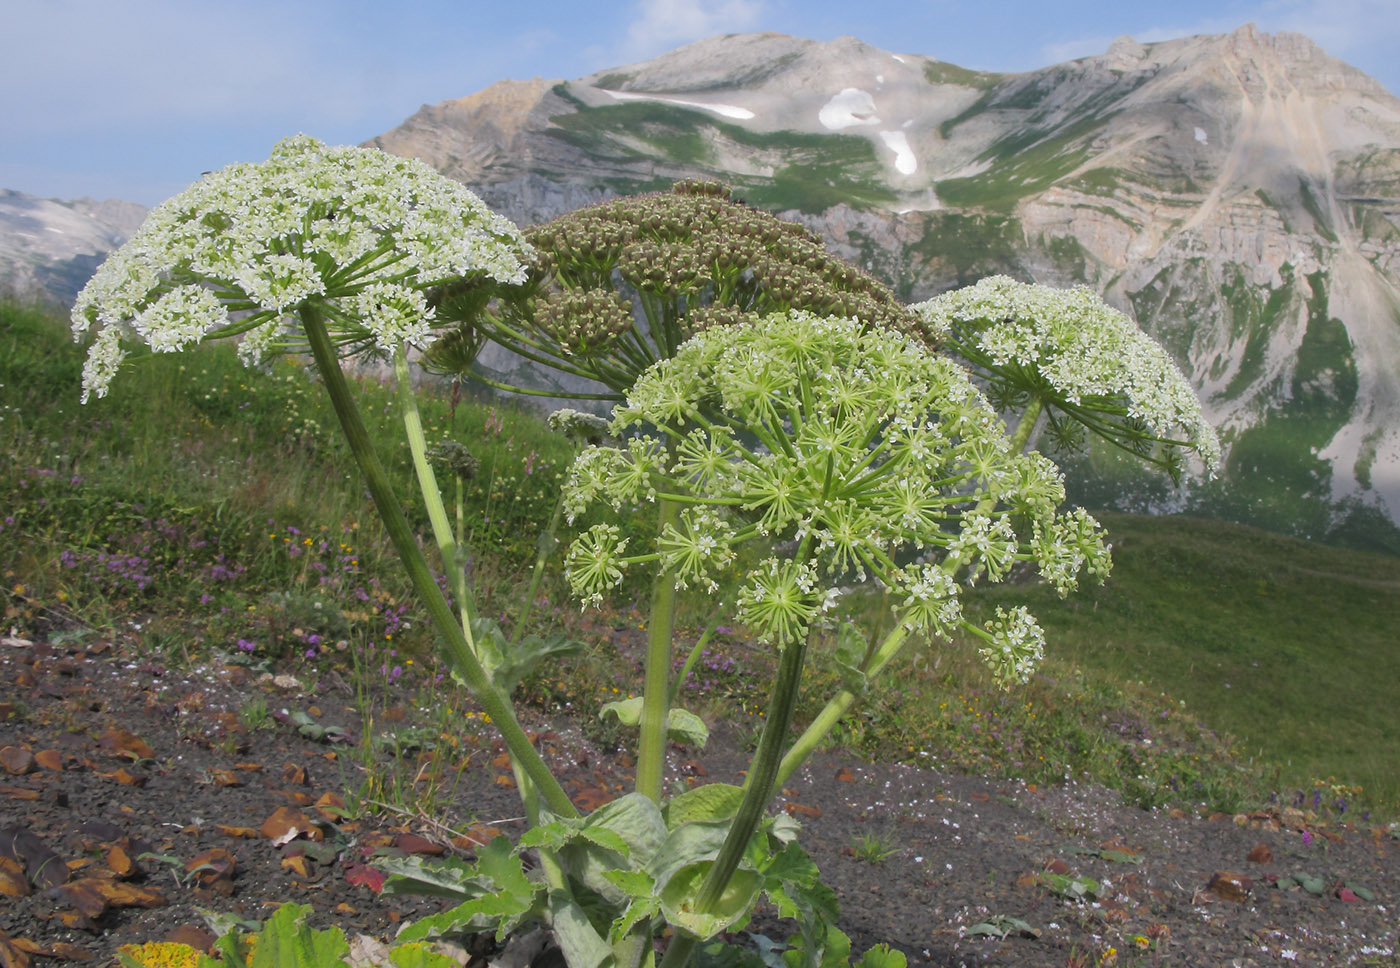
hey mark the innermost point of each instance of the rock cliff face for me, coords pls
(49, 249)
(1238, 194)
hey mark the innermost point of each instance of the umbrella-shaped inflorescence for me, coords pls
(1083, 363)
(618, 286)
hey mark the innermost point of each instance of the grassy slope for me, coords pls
(1285, 644)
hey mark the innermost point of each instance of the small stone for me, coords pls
(1230, 886)
(1261, 854)
(17, 760)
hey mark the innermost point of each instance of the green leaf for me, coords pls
(286, 942)
(644, 904)
(501, 911)
(849, 655)
(415, 954)
(713, 801)
(1119, 856)
(680, 891)
(883, 956)
(1072, 887)
(1002, 925)
(681, 726)
(497, 893)
(450, 878)
(508, 664)
(686, 728)
(580, 943)
(637, 820)
(1362, 892)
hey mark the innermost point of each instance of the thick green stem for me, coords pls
(1022, 436)
(651, 747)
(432, 496)
(832, 712)
(758, 789)
(454, 642)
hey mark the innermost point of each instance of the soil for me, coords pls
(110, 757)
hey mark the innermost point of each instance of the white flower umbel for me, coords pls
(357, 231)
(1085, 363)
(854, 449)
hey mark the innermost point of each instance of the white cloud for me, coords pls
(663, 24)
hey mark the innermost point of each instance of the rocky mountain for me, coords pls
(49, 248)
(1239, 195)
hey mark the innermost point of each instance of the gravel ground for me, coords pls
(109, 757)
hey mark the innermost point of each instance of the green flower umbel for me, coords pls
(357, 232)
(1086, 364)
(856, 447)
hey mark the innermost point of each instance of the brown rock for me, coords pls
(213, 870)
(1230, 886)
(414, 844)
(12, 956)
(246, 833)
(802, 810)
(196, 938)
(331, 806)
(13, 883)
(122, 742)
(120, 861)
(49, 760)
(1261, 854)
(286, 824)
(300, 866)
(17, 760)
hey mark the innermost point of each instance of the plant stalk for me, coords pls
(651, 746)
(758, 789)
(453, 640)
(432, 496)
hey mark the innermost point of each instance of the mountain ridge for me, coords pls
(1237, 194)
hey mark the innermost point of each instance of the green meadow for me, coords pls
(220, 517)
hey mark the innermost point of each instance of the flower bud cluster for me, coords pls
(1087, 363)
(582, 322)
(580, 427)
(456, 458)
(355, 230)
(857, 447)
(684, 261)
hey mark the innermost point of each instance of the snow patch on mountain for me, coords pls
(847, 109)
(723, 110)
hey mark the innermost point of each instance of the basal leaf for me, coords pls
(713, 801)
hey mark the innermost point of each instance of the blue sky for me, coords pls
(133, 99)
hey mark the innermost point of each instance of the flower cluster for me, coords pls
(858, 448)
(357, 231)
(1085, 362)
(622, 284)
